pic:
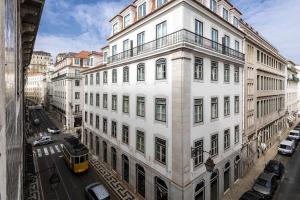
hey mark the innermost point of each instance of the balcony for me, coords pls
(181, 36)
(66, 76)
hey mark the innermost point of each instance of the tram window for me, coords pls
(82, 159)
(76, 160)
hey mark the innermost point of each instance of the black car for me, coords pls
(276, 167)
(252, 195)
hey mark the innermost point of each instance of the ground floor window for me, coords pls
(125, 165)
(161, 189)
(104, 151)
(236, 168)
(113, 158)
(226, 176)
(214, 188)
(200, 191)
(140, 180)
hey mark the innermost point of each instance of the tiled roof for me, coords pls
(83, 54)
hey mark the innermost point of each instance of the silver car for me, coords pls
(42, 141)
(96, 191)
(266, 184)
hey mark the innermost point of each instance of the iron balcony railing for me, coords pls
(181, 36)
(66, 75)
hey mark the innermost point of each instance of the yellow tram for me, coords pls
(75, 154)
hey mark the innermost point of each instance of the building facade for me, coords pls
(170, 87)
(19, 23)
(264, 101)
(39, 62)
(35, 88)
(292, 81)
(66, 87)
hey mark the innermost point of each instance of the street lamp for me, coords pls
(209, 164)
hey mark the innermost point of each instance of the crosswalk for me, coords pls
(49, 150)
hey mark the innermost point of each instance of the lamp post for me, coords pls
(209, 164)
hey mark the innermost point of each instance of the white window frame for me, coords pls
(161, 109)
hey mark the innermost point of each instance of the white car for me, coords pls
(42, 141)
(97, 191)
(53, 130)
(294, 134)
(287, 147)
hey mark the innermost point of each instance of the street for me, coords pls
(49, 159)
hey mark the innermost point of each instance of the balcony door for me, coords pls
(161, 32)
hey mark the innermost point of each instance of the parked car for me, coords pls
(293, 139)
(295, 134)
(286, 147)
(275, 167)
(96, 191)
(42, 141)
(266, 184)
(53, 130)
(252, 195)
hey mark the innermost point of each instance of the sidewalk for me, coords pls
(246, 182)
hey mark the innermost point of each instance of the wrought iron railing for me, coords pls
(66, 75)
(181, 36)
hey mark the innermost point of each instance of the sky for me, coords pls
(75, 25)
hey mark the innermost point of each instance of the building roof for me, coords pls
(41, 53)
(97, 53)
(83, 54)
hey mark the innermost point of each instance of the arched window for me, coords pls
(104, 145)
(214, 185)
(141, 72)
(125, 168)
(113, 158)
(161, 189)
(161, 69)
(125, 74)
(200, 191)
(140, 180)
(114, 75)
(227, 176)
(236, 167)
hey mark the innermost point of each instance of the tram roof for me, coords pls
(74, 147)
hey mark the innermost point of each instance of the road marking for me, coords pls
(52, 150)
(46, 151)
(39, 152)
(61, 145)
(41, 134)
(57, 148)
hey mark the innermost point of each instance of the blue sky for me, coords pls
(74, 25)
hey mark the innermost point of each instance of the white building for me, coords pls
(66, 87)
(168, 86)
(34, 88)
(292, 81)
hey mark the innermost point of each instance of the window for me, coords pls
(97, 78)
(126, 20)
(97, 122)
(91, 79)
(236, 104)
(200, 191)
(198, 31)
(126, 45)
(214, 108)
(114, 129)
(77, 61)
(105, 77)
(226, 139)
(214, 145)
(236, 134)
(86, 79)
(97, 99)
(213, 5)
(198, 110)
(91, 119)
(77, 82)
(85, 116)
(225, 14)
(161, 31)
(105, 57)
(226, 73)
(140, 41)
(77, 95)
(198, 157)
(237, 45)
(160, 150)
(114, 75)
(115, 28)
(140, 109)
(226, 41)
(214, 38)
(142, 10)
(104, 100)
(140, 141)
(236, 74)
(198, 69)
(257, 55)
(125, 104)
(161, 72)
(91, 98)
(86, 98)
(114, 102)
(235, 21)
(125, 135)
(214, 71)
(114, 50)
(77, 108)
(104, 125)
(160, 109)
(226, 106)
(160, 2)
(141, 72)
(125, 74)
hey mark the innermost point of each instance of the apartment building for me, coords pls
(34, 88)
(171, 87)
(39, 62)
(19, 23)
(292, 81)
(264, 103)
(66, 87)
